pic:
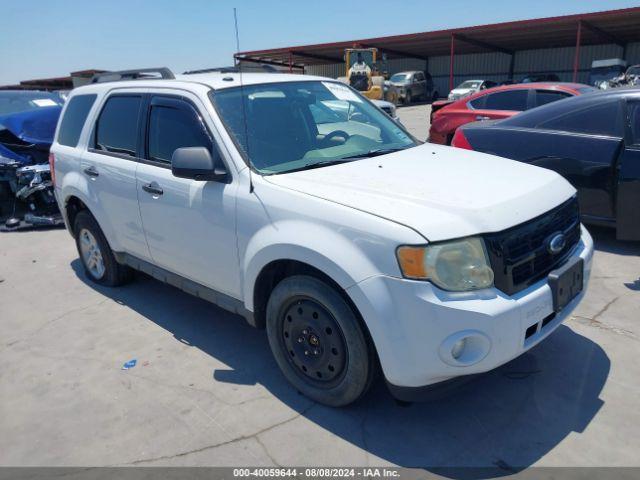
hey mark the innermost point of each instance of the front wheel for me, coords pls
(318, 342)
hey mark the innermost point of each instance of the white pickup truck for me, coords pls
(294, 202)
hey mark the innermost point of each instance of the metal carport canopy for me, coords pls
(612, 26)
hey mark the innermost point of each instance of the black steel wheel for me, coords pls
(314, 341)
(318, 341)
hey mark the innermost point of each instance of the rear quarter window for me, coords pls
(601, 119)
(549, 96)
(73, 120)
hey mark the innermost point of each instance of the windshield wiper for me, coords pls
(323, 163)
(374, 153)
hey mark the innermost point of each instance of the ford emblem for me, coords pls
(556, 243)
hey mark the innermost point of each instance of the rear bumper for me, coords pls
(415, 325)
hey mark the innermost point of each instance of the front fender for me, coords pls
(342, 258)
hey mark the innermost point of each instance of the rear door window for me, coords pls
(508, 100)
(117, 127)
(73, 120)
(174, 124)
(548, 96)
(602, 119)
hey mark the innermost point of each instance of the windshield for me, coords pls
(469, 84)
(297, 125)
(599, 74)
(399, 78)
(22, 101)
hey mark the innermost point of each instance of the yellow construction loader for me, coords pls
(362, 72)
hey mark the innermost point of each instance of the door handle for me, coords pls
(482, 117)
(153, 188)
(91, 171)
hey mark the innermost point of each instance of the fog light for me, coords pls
(458, 347)
(464, 348)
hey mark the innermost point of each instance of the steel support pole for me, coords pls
(451, 60)
(576, 59)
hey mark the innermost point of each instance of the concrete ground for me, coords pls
(206, 391)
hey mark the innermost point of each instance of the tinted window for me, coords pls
(478, 103)
(74, 117)
(117, 127)
(509, 100)
(172, 128)
(600, 119)
(419, 77)
(547, 96)
(22, 101)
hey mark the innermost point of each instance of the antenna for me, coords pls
(244, 112)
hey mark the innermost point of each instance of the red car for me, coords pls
(497, 103)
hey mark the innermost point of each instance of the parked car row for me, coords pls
(592, 140)
(497, 103)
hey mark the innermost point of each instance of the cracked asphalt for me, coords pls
(206, 391)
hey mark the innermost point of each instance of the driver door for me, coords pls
(189, 225)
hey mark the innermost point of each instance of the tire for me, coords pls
(91, 243)
(318, 342)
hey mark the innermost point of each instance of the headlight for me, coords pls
(458, 265)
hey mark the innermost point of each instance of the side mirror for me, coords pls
(198, 164)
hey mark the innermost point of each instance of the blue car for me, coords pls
(27, 123)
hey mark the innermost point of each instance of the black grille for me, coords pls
(519, 255)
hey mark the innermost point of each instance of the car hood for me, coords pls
(462, 91)
(440, 192)
(33, 126)
(26, 134)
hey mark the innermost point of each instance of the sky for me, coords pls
(44, 38)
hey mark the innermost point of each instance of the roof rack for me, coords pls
(234, 69)
(211, 70)
(137, 74)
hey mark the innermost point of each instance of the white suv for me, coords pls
(294, 202)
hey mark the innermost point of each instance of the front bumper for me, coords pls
(415, 324)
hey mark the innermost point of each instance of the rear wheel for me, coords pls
(96, 256)
(318, 342)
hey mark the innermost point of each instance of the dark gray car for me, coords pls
(413, 85)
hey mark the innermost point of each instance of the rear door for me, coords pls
(109, 169)
(421, 84)
(190, 225)
(628, 198)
